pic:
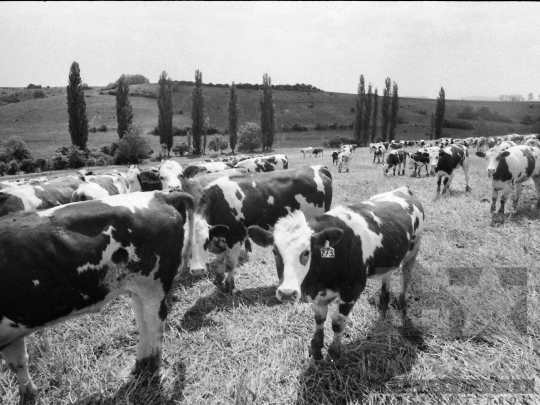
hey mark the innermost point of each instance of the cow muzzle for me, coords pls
(285, 295)
(171, 189)
(200, 271)
(490, 173)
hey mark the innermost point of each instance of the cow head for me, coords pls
(492, 156)
(294, 244)
(132, 178)
(391, 161)
(170, 175)
(206, 239)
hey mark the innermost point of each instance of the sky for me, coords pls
(470, 49)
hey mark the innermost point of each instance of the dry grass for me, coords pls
(467, 327)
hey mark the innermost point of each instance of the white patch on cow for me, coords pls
(28, 196)
(106, 256)
(138, 200)
(324, 297)
(310, 210)
(254, 184)
(392, 197)
(270, 200)
(200, 235)
(288, 209)
(376, 218)
(318, 179)
(230, 189)
(370, 240)
(36, 282)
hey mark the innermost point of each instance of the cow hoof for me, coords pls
(218, 281)
(334, 352)
(229, 287)
(316, 353)
(468, 189)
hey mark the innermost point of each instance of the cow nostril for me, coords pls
(197, 272)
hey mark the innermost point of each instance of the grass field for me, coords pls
(473, 328)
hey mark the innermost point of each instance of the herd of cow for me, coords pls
(69, 246)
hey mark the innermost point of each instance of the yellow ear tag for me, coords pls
(327, 252)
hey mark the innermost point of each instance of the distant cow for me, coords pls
(318, 151)
(99, 187)
(331, 256)
(445, 161)
(509, 169)
(417, 160)
(38, 197)
(395, 159)
(74, 259)
(394, 145)
(307, 151)
(215, 167)
(344, 158)
(378, 152)
(232, 205)
(335, 155)
(255, 165)
(278, 161)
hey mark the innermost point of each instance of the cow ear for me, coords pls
(260, 236)
(480, 154)
(426, 155)
(504, 154)
(218, 231)
(149, 176)
(190, 171)
(332, 235)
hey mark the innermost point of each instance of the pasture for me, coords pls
(472, 332)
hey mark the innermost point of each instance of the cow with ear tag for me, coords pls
(332, 256)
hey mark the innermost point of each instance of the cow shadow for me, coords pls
(195, 317)
(145, 389)
(367, 366)
(521, 215)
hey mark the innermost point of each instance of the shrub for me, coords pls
(27, 166)
(401, 119)
(181, 112)
(86, 87)
(335, 125)
(249, 137)
(527, 120)
(109, 150)
(4, 157)
(17, 149)
(135, 79)
(93, 129)
(154, 131)
(336, 141)
(217, 143)
(33, 86)
(103, 128)
(40, 164)
(179, 131)
(60, 162)
(458, 124)
(39, 94)
(13, 167)
(3, 168)
(75, 157)
(132, 147)
(180, 149)
(211, 130)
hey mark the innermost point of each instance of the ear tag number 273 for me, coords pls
(327, 252)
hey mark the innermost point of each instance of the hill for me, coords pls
(43, 122)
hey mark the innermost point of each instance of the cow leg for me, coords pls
(466, 171)
(406, 278)
(517, 194)
(494, 195)
(505, 193)
(149, 316)
(317, 343)
(384, 300)
(339, 322)
(537, 185)
(231, 260)
(16, 357)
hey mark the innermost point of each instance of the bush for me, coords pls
(17, 149)
(40, 164)
(217, 143)
(179, 131)
(180, 149)
(103, 128)
(401, 119)
(132, 147)
(27, 166)
(154, 131)
(60, 162)
(211, 130)
(249, 137)
(3, 168)
(457, 124)
(527, 120)
(86, 87)
(39, 94)
(336, 141)
(33, 86)
(4, 157)
(76, 157)
(181, 112)
(109, 150)
(13, 167)
(93, 129)
(135, 79)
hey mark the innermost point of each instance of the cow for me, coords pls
(214, 167)
(13, 183)
(307, 151)
(100, 186)
(445, 161)
(396, 158)
(416, 161)
(229, 206)
(532, 142)
(344, 159)
(481, 143)
(73, 259)
(509, 169)
(318, 151)
(331, 256)
(394, 145)
(379, 152)
(335, 155)
(278, 161)
(255, 165)
(38, 197)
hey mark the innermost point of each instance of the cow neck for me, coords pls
(205, 204)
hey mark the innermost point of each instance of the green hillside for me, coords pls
(43, 122)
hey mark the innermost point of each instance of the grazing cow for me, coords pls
(396, 158)
(516, 138)
(532, 142)
(214, 167)
(344, 159)
(38, 197)
(509, 169)
(229, 206)
(416, 161)
(307, 151)
(318, 151)
(331, 256)
(99, 187)
(445, 161)
(255, 165)
(74, 259)
(491, 142)
(378, 153)
(278, 161)
(335, 155)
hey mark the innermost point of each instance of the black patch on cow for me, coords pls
(450, 159)
(502, 172)
(120, 256)
(238, 195)
(10, 203)
(530, 161)
(14, 325)
(163, 310)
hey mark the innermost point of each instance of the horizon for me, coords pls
(483, 49)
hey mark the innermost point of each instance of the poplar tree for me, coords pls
(268, 118)
(367, 117)
(394, 110)
(385, 109)
(197, 113)
(233, 118)
(124, 110)
(374, 119)
(359, 111)
(165, 107)
(439, 114)
(78, 123)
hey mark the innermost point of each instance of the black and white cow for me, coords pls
(307, 151)
(378, 152)
(73, 259)
(397, 158)
(229, 206)
(335, 155)
(318, 151)
(509, 169)
(396, 145)
(331, 256)
(214, 167)
(255, 165)
(417, 160)
(344, 158)
(445, 161)
(104, 185)
(39, 197)
(278, 161)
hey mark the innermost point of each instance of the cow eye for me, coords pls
(306, 253)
